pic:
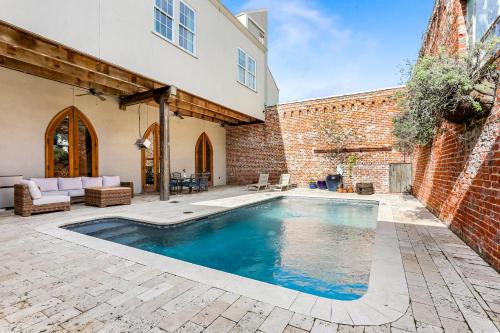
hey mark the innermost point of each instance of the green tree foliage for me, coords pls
(440, 85)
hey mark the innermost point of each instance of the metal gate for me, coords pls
(400, 177)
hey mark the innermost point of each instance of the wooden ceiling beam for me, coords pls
(36, 59)
(219, 109)
(186, 113)
(54, 76)
(183, 105)
(142, 97)
(172, 97)
(26, 52)
(21, 39)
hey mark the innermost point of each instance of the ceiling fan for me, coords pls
(178, 115)
(93, 92)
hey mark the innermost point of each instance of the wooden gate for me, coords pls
(400, 177)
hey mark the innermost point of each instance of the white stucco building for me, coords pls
(66, 65)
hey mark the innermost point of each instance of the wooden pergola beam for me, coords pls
(195, 109)
(184, 102)
(18, 38)
(211, 106)
(142, 97)
(24, 51)
(354, 150)
(30, 57)
(55, 76)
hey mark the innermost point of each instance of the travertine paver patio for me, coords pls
(52, 285)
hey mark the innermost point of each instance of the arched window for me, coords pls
(150, 160)
(204, 156)
(71, 147)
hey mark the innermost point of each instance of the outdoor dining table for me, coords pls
(183, 182)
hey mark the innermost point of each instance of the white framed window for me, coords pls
(247, 70)
(164, 18)
(187, 27)
(251, 73)
(242, 67)
(482, 19)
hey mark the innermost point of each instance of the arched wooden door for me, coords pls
(71, 147)
(204, 156)
(150, 165)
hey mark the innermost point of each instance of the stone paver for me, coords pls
(52, 285)
(321, 326)
(302, 321)
(276, 321)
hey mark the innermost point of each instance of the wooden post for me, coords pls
(164, 172)
(163, 99)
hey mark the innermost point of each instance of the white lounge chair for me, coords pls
(262, 184)
(283, 184)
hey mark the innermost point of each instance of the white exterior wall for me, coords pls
(273, 93)
(121, 32)
(28, 104)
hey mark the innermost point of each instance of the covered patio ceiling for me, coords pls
(24, 51)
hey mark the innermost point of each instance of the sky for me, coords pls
(322, 48)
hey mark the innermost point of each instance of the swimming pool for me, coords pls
(317, 246)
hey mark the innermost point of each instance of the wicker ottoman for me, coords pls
(103, 197)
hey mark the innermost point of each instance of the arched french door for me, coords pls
(150, 165)
(204, 156)
(71, 147)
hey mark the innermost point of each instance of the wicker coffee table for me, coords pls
(103, 197)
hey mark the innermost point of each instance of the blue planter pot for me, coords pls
(312, 186)
(333, 182)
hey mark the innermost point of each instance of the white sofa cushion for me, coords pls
(50, 199)
(46, 184)
(76, 193)
(55, 193)
(89, 182)
(70, 183)
(35, 192)
(110, 181)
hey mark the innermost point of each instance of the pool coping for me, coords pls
(386, 300)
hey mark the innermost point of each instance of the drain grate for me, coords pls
(174, 201)
(188, 212)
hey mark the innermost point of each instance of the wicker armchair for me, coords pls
(23, 204)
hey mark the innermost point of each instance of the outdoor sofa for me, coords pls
(40, 195)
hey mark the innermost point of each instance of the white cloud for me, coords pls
(311, 53)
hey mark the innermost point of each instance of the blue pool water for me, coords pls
(318, 246)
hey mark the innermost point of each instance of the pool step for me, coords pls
(110, 233)
(107, 228)
(129, 238)
(93, 228)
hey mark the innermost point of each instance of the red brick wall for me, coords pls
(457, 177)
(285, 143)
(447, 28)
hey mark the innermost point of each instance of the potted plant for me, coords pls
(312, 184)
(351, 160)
(321, 184)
